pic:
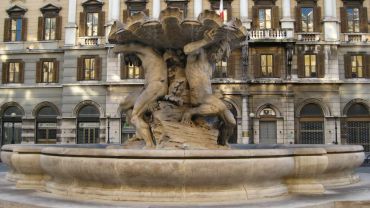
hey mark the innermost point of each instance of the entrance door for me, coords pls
(268, 132)
(88, 133)
(12, 133)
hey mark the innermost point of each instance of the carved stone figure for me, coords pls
(177, 108)
(155, 86)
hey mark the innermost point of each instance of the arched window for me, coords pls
(88, 125)
(12, 126)
(358, 126)
(311, 125)
(127, 130)
(46, 124)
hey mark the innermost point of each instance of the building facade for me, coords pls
(302, 75)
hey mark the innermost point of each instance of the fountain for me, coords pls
(180, 152)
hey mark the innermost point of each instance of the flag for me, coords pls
(221, 11)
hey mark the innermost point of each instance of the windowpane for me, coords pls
(50, 27)
(89, 69)
(264, 17)
(307, 19)
(16, 29)
(310, 65)
(357, 66)
(353, 15)
(266, 65)
(92, 24)
(13, 73)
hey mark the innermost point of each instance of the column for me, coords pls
(71, 28)
(198, 8)
(113, 14)
(330, 21)
(287, 23)
(244, 7)
(114, 10)
(245, 123)
(156, 8)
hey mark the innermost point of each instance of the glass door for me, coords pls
(12, 133)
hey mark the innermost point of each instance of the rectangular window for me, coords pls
(50, 28)
(266, 66)
(264, 17)
(16, 29)
(220, 69)
(92, 24)
(357, 66)
(353, 18)
(89, 69)
(307, 19)
(48, 72)
(310, 66)
(133, 72)
(14, 72)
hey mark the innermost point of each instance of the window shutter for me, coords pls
(300, 65)
(317, 19)
(231, 66)
(80, 68)
(125, 16)
(58, 32)
(7, 25)
(320, 65)
(21, 72)
(363, 20)
(98, 65)
(24, 29)
(82, 26)
(347, 66)
(101, 28)
(257, 65)
(40, 29)
(275, 17)
(56, 72)
(255, 22)
(4, 73)
(38, 72)
(298, 19)
(276, 64)
(142, 75)
(124, 68)
(343, 20)
(367, 66)
(146, 11)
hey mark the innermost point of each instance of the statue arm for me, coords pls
(134, 48)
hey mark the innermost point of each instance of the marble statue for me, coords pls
(177, 107)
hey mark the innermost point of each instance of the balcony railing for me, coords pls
(355, 37)
(309, 37)
(90, 40)
(267, 34)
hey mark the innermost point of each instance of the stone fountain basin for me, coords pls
(241, 173)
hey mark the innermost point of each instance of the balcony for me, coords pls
(90, 41)
(355, 37)
(267, 34)
(308, 37)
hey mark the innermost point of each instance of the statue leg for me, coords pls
(147, 97)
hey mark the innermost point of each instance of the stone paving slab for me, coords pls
(357, 195)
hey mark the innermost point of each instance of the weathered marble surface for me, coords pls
(182, 175)
(172, 111)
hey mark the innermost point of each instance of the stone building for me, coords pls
(302, 75)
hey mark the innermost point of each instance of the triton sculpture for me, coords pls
(174, 108)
